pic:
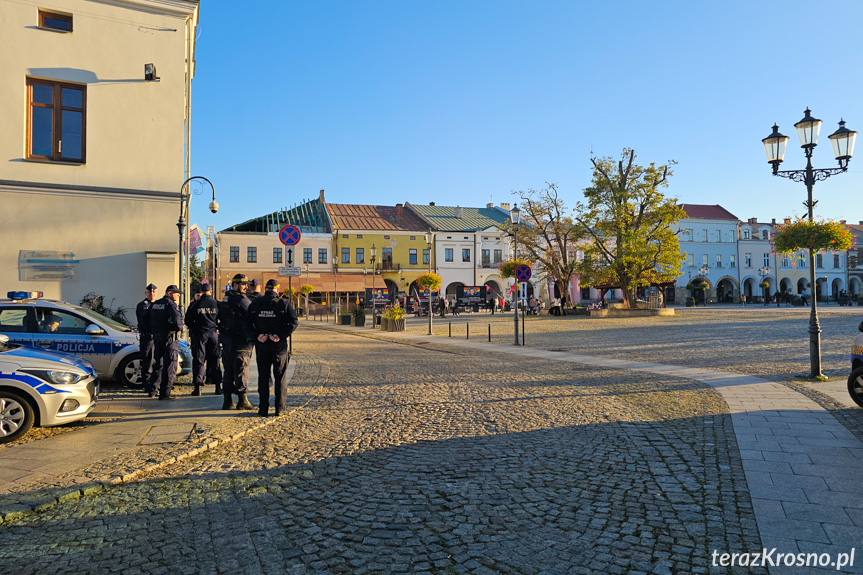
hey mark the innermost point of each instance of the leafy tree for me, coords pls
(196, 273)
(626, 222)
(547, 235)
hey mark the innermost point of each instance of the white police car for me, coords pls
(112, 348)
(42, 388)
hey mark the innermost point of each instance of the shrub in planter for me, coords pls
(395, 318)
(345, 319)
(358, 317)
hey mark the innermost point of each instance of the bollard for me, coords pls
(489, 333)
(467, 325)
(450, 329)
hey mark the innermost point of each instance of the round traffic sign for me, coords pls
(289, 235)
(522, 272)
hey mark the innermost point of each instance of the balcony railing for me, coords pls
(390, 266)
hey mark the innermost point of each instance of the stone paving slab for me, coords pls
(786, 423)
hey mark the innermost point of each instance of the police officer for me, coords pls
(167, 325)
(236, 348)
(254, 291)
(269, 322)
(142, 312)
(201, 318)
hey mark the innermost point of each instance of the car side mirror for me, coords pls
(94, 329)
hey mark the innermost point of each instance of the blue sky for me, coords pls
(465, 102)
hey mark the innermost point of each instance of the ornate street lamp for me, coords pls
(429, 238)
(704, 271)
(515, 218)
(842, 141)
(185, 200)
(374, 299)
(336, 281)
(763, 272)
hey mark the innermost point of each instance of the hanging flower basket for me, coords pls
(430, 281)
(307, 289)
(764, 285)
(507, 269)
(818, 235)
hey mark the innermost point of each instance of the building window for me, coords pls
(386, 237)
(277, 255)
(361, 255)
(359, 236)
(703, 235)
(732, 261)
(447, 254)
(784, 262)
(413, 237)
(235, 253)
(56, 121)
(731, 236)
(690, 260)
(387, 256)
(767, 260)
(852, 260)
(819, 260)
(322, 255)
(719, 236)
(412, 256)
(836, 262)
(719, 260)
(498, 256)
(747, 260)
(801, 262)
(486, 258)
(345, 236)
(704, 260)
(426, 257)
(307, 255)
(746, 234)
(465, 255)
(55, 21)
(346, 255)
(252, 255)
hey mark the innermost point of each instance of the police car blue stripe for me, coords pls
(33, 382)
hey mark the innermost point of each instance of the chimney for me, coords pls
(773, 221)
(458, 212)
(752, 220)
(505, 205)
(399, 210)
(431, 203)
(322, 196)
(489, 205)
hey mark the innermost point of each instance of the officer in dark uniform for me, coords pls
(167, 326)
(236, 348)
(201, 318)
(254, 291)
(142, 312)
(269, 322)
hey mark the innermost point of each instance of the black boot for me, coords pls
(218, 389)
(243, 402)
(197, 391)
(228, 403)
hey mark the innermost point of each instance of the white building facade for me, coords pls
(92, 149)
(708, 241)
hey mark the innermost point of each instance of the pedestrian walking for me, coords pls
(743, 299)
(269, 322)
(490, 305)
(236, 348)
(804, 297)
(167, 325)
(202, 321)
(142, 312)
(441, 304)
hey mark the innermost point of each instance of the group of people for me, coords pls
(230, 329)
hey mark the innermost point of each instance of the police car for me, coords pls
(111, 347)
(42, 388)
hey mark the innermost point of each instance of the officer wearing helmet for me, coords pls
(201, 318)
(269, 322)
(236, 348)
(167, 325)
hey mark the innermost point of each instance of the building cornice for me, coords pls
(20, 187)
(169, 7)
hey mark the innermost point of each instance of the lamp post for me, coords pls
(336, 282)
(763, 272)
(307, 295)
(704, 271)
(515, 218)
(842, 141)
(374, 298)
(429, 238)
(185, 200)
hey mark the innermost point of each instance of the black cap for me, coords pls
(273, 285)
(254, 283)
(151, 287)
(205, 287)
(239, 279)
(171, 288)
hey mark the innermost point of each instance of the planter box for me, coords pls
(358, 321)
(344, 320)
(397, 324)
(385, 324)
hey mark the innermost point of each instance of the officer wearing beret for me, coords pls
(167, 325)
(270, 321)
(142, 312)
(236, 348)
(201, 318)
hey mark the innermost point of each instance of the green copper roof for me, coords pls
(445, 218)
(308, 216)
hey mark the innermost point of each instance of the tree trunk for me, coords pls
(628, 298)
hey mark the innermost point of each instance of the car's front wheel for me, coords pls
(16, 416)
(129, 371)
(855, 386)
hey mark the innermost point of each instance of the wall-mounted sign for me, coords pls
(34, 265)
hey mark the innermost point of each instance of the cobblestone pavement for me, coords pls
(424, 459)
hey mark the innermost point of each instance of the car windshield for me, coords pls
(101, 318)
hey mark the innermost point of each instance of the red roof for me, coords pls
(364, 217)
(704, 212)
